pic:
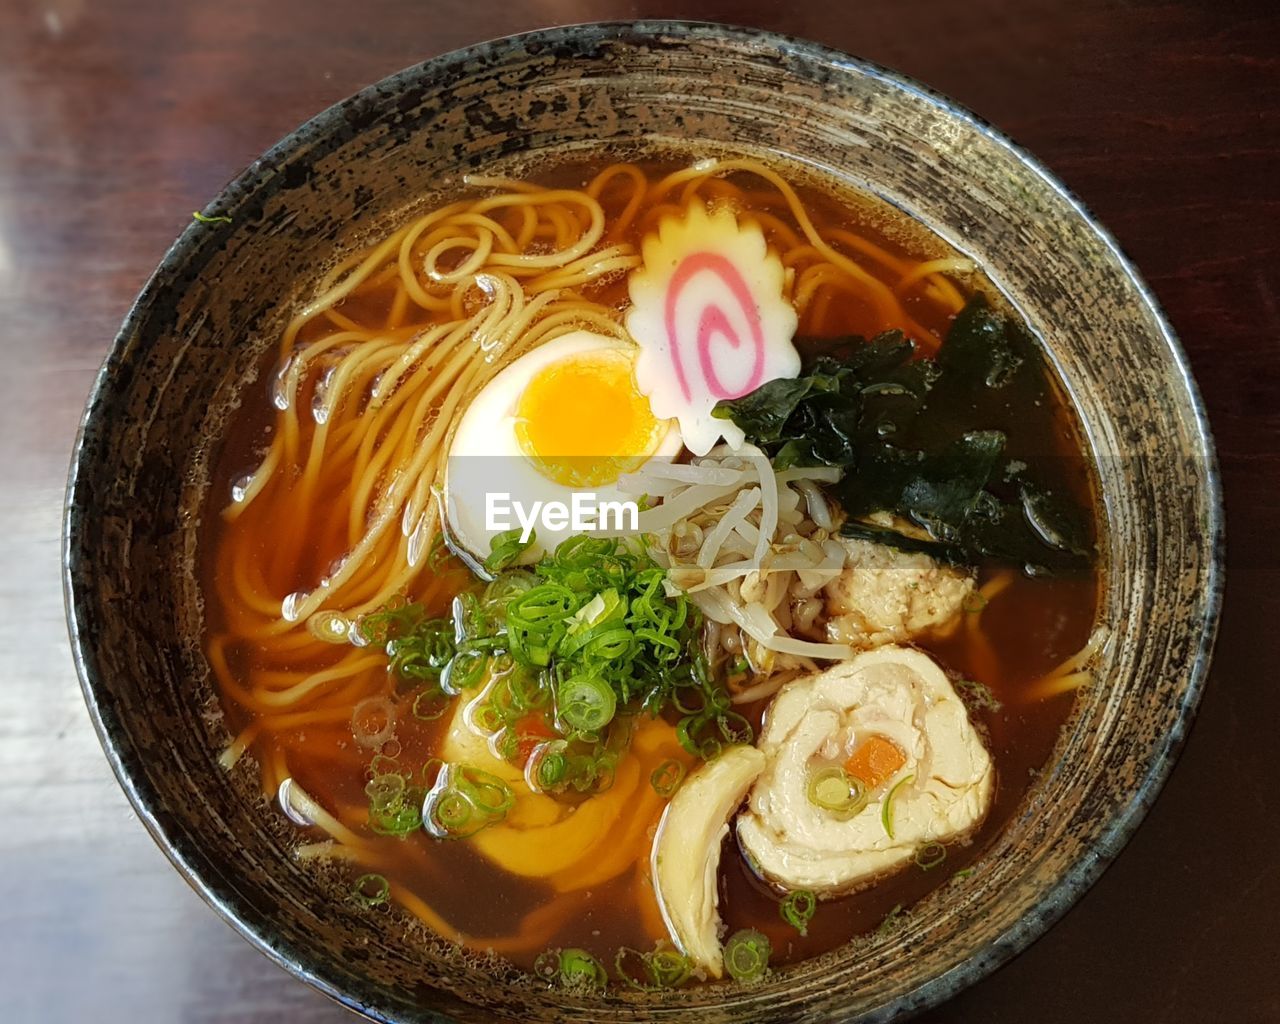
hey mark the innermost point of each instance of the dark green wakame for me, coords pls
(931, 442)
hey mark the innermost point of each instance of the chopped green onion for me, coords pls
(688, 708)
(930, 856)
(463, 800)
(506, 586)
(798, 909)
(835, 790)
(639, 977)
(696, 732)
(579, 969)
(733, 727)
(686, 730)
(487, 718)
(398, 822)
(450, 815)
(525, 690)
(393, 806)
(464, 671)
(964, 873)
(438, 554)
(384, 789)
(506, 548)
(586, 704)
(886, 811)
(558, 765)
(535, 622)
(587, 632)
(431, 703)
(395, 618)
(746, 955)
(669, 967)
(488, 792)
(599, 773)
(549, 765)
(383, 764)
(373, 722)
(419, 647)
(662, 968)
(330, 626)
(425, 652)
(547, 966)
(666, 778)
(371, 890)
(204, 218)
(469, 618)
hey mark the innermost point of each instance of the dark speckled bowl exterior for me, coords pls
(191, 343)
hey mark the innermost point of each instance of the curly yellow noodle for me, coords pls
(481, 248)
(933, 271)
(815, 312)
(335, 293)
(399, 306)
(623, 219)
(778, 233)
(654, 214)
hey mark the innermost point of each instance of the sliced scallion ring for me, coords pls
(666, 778)
(669, 967)
(836, 791)
(586, 704)
(448, 814)
(383, 790)
(373, 721)
(798, 909)
(371, 890)
(330, 626)
(746, 955)
(548, 768)
(487, 792)
(930, 856)
(886, 811)
(579, 969)
(430, 703)
(547, 965)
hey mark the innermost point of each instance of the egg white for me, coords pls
(486, 457)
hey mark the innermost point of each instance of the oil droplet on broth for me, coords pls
(291, 606)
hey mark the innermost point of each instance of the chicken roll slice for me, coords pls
(865, 763)
(886, 596)
(686, 852)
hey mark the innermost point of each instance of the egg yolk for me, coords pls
(583, 423)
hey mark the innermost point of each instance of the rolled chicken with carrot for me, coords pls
(866, 764)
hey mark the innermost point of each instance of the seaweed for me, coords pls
(927, 442)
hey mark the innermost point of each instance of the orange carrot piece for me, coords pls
(875, 761)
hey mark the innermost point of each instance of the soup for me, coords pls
(799, 688)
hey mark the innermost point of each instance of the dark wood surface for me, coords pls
(119, 118)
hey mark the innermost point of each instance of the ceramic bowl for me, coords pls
(191, 344)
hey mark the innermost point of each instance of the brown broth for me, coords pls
(1033, 625)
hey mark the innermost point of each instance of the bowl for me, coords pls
(189, 347)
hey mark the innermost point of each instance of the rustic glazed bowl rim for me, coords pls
(1053, 901)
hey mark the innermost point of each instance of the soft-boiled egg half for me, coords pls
(565, 419)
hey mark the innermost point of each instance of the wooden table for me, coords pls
(119, 118)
